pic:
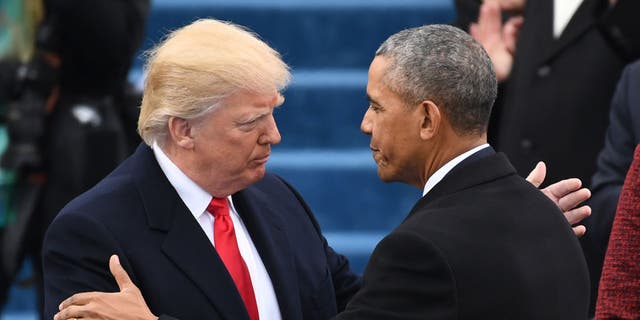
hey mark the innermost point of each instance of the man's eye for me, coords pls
(375, 108)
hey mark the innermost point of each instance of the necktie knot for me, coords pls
(218, 207)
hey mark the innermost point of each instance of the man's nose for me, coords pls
(366, 125)
(272, 134)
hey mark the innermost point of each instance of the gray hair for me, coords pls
(443, 64)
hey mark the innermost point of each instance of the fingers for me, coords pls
(576, 215)
(563, 187)
(573, 198)
(71, 312)
(473, 30)
(511, 31)
(490, 19)
(536, 176)
(78, 299)
(579, 231)
(121, 276)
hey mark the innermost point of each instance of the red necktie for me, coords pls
(227, 247)
(619, 292)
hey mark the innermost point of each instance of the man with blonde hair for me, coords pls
(194, 218)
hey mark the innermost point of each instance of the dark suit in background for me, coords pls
(136, 214)
(556, 100)
(483, 237)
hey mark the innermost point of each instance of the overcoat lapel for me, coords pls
(539, 31)
(188, 247)
(262, 217)
(582, 21)
(185, 244)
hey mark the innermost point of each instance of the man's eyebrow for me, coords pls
(372, 100)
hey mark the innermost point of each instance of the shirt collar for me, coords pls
(194, 197)
(437, 176)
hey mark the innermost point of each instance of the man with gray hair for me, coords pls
(482, 243)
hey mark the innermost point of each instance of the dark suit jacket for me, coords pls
(482, 244)
(135, 213)
(614, 160)
(556, 100)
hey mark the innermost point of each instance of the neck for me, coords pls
(181, 158)
(447, 149)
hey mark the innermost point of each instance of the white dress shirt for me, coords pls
(440, 173)
(563, 11)
(197, 199)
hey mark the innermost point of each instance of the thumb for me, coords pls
(121, 276)
(536, 177)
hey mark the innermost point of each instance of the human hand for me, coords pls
(514, 6)
(128, 304)
(566, 194)
(497, 39)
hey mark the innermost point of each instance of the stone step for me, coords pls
(308, 33)
(343, 189)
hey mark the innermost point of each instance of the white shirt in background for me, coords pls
(563, 10)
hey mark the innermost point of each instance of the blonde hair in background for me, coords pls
(191, 72)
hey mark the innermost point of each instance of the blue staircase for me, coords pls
(329, 45)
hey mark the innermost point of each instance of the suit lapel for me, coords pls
(262, 219)
(538, 30)
(188, 247)
(582, 21)
(185, 244)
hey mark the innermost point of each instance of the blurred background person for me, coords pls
(69, 113)
(614, 161)
(559, 63)
(18, 21)
(619, 290)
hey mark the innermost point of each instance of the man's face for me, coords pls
(394, 129)
(233, 143)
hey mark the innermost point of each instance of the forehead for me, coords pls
(378, 90)
(252, 99)
(377, 70)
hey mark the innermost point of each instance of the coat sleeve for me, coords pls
(407, 278)
(75, 254)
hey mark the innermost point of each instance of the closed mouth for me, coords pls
(263, 159)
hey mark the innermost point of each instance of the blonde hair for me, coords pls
(192, 71)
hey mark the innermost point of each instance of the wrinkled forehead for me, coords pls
(259, 100)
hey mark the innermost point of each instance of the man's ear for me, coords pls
(180, 131)
(430, 119)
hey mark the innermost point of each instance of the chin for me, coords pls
(257, 174)
(384, 175)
